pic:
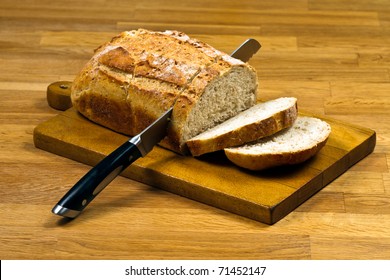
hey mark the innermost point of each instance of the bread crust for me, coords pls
(133, 79)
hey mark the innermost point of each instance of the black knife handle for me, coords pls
(89, 186)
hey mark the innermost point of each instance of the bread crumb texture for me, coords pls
(256, 113)
(290, 146)
(259, 121)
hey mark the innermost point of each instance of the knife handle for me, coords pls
(89, 186)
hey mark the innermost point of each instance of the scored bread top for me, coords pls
(169, 56)
(138, 75)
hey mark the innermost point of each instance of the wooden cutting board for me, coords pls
(265, 196)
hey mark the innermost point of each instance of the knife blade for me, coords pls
(92, 183)
(246, 50)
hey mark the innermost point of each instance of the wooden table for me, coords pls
(332, 55)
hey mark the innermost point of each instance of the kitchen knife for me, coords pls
(92, 183)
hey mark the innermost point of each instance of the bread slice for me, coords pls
(259, 121)
(133, 79)
(290, 146)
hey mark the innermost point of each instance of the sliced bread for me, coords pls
(259, 121)
(290, 146)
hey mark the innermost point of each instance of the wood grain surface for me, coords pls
(265, 196)
(333, 55)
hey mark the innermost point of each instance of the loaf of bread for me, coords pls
(259, 121)
(131, 80)
(290, 146)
